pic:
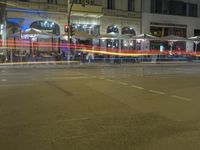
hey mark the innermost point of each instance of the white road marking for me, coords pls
(93, 76)
(69, 78)
(137, 87)
(157, 92)
(3, 80)
(74, 119)
(181, 98)
(102, 78)
(123, 83)
(80, 73)
(110, 80)
(15, 85)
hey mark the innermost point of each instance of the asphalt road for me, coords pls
(111, 107)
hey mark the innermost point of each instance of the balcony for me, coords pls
(43, 6)
(78, 9)
(88, 10)
(121, 13)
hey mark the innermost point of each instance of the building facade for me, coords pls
(157, 17)
(95, 18)
(178, 17)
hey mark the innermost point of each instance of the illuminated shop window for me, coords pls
(110, 42)
(112, 29)
(128, 30)
(46, 26)
(88, 28)
(128, 44)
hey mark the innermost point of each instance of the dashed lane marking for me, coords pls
(123, 83)
(181, 98)
(3, 80)
(137, 87)
(93, 76)
(109, 80)
(16, 85)
(102, 78)
(157, 92)
(70, 78)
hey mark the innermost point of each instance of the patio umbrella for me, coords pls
(196, 40)
(172, 39)
(145, 37)
(31, 33)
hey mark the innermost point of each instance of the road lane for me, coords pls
(120, 107)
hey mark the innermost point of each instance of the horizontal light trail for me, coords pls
(21, 44)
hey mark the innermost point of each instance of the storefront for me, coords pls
(162, 30)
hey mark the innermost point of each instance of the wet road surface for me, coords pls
(113, 107)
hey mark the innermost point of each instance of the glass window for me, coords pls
(192, 10)
(112, 28)
(88, 28)
(177, 8)
(197, 32)
(52, 1)
(77, 1)
(131, 5)
(47, 26)
(128, 30)
(111, 4)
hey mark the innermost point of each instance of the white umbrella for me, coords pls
(145, 37)
(196, 40)
(172, 39)
(31, 33)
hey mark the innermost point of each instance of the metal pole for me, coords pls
(68, 35)
(52, 43)
(196, 48)
(141, 11)
(69, 29)
(59, 49)
(196, 45)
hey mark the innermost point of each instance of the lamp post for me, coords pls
(69, 10)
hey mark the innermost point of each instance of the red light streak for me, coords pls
(94, 49)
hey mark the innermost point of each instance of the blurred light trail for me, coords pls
(22, 44)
